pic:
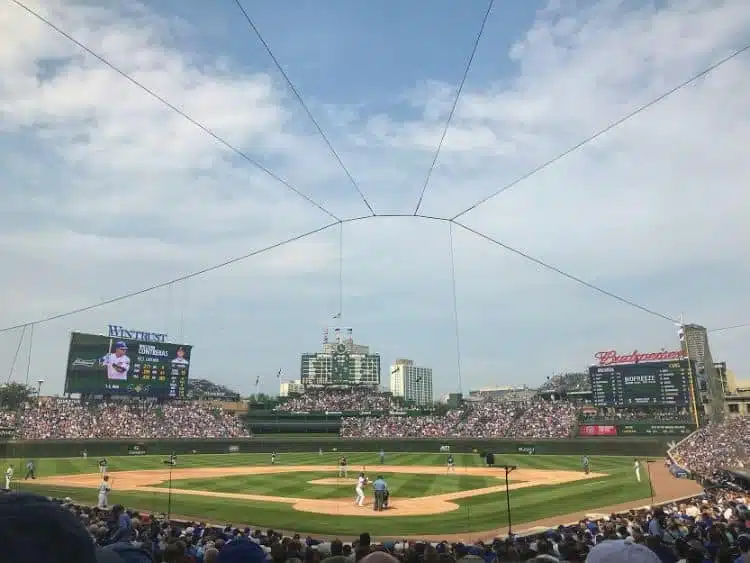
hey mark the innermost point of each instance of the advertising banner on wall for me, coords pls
(597, 430)
(649, 429)
(136, 449)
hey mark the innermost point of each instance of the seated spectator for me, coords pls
(66, 419)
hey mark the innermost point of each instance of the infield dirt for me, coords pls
(146, 480)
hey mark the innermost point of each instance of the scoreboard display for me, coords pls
(102, 365)
(643, 384)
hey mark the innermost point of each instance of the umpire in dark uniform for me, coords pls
(380, 489)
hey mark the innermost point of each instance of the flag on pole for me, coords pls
(337, 316)
(278, 375)
(257, 380)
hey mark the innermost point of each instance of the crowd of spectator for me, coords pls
(564, 382)
(714, 527)
(475, 419)
(63, 419)
(715, 447)
(339, 400)
(544, 419)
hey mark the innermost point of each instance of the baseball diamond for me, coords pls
(303, 492)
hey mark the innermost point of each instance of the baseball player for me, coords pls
(104, 489)
(586, 463)
(30, 470)
(637, 468)
(451, 464)
(117, 363)
(103, 465)
(360, 490)
(273, 458)
(343, 469)
(180, 359)
(320, 451)
(382, 456)
(8, 476)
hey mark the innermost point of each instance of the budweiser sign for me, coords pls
(610, 357)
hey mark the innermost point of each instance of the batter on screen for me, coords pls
(117, 363)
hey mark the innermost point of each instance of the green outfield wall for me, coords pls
(635, 446)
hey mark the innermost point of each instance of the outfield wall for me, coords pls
(650, 446)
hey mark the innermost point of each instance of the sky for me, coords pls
(107, 190)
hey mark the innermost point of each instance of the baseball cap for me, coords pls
(123, 552)
(241, 550)
(620, 551)
(25, 518)
(121, 344)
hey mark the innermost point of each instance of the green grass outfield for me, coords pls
(401, 485)
(478, 513)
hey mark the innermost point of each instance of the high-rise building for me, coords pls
(291, 388)
(341, 363)
(694, 340)
(412, 383)
(711, 384)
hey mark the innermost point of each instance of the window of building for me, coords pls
(734, 408)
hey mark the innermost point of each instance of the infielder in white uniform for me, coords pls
(637, 468)
(360, 490)
(104, 489)
(117, 363)
(8, 476)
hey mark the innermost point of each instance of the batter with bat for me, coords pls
(117, 362)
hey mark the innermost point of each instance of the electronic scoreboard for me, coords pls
(642, 384)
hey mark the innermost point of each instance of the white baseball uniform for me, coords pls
(104, 489)
(637, 467)
(360, 490)
(8, 477)
(112, 360)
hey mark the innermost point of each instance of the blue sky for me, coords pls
(106, 191)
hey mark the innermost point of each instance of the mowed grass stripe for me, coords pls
(412, 486)
(297, 485)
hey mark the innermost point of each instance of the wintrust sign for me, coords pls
(611, 357)
(116, 331)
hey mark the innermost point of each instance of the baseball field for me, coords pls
(303, 492)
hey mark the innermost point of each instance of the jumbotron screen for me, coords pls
(102, 365)
(650, 383)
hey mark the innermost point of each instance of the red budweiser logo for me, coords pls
(610, 357)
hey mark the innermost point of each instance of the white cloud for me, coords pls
(105, 190)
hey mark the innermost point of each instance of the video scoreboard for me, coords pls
(103, 365)
(642, 384)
